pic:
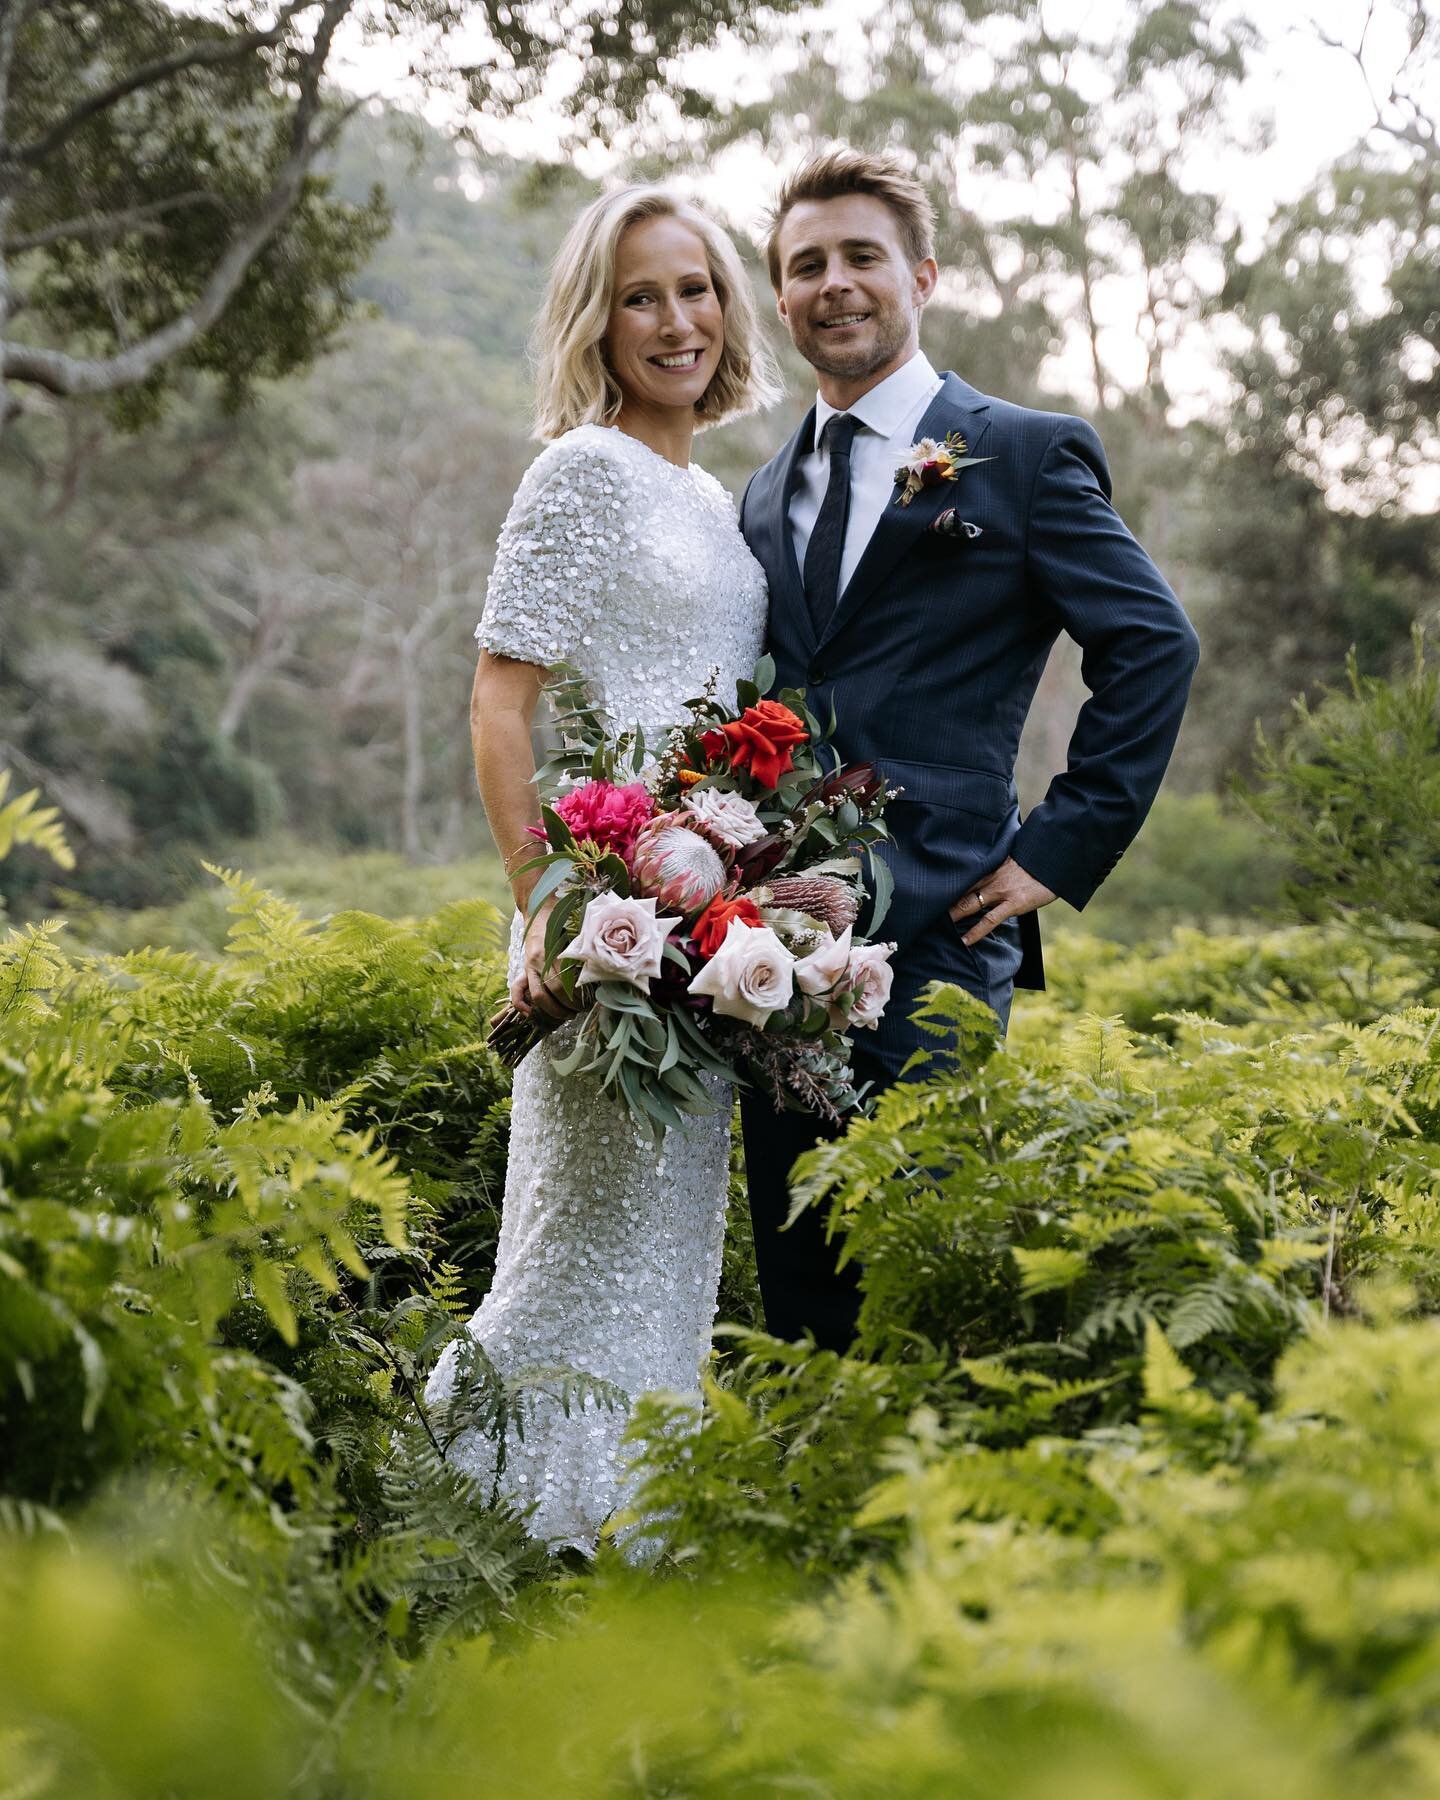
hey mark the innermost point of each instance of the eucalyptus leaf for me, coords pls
(555, 876)
(574, 1058)
(558, 923)
(620, 997)
(612, 867)
(559, 834)
(884, 883)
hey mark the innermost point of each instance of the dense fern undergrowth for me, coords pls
(1130, 1487)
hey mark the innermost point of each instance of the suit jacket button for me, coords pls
(817, 676)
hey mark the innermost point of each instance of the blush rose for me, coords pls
(750, 976)
(620, 940)
(870, 979)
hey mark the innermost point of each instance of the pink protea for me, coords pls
(676, 865)
(609, 816)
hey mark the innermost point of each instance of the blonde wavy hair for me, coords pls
(573, 383)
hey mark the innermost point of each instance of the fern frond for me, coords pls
(24, 821)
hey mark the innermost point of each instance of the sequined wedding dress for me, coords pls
(633, 569)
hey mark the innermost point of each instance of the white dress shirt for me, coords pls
(889, 416)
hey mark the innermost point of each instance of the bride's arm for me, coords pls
(502, 707)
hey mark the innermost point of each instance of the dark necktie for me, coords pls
(827, 541)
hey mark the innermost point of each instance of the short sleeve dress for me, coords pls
(633, 569)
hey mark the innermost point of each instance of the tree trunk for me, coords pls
(412, 781)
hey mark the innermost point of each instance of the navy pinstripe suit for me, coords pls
(932, 657)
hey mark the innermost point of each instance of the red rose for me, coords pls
(710, 928)
(761, 740)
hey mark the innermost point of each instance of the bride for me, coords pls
(622, 557)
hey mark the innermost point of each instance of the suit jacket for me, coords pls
(933, 653)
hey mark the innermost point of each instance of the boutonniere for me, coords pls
(927, 464)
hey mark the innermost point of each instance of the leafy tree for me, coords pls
(1057, 160)
(1353, 793)
(160, 205)
(1317, 536)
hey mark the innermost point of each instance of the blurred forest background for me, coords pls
(239, 573)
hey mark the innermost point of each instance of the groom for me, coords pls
(928, 625)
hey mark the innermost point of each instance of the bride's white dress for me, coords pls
(634, 570)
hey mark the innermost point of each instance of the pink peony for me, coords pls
(609, 816)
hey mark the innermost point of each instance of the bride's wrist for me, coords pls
(521, 886)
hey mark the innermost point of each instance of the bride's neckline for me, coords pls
(687, 469)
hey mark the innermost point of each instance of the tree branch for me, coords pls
(107, 224)
(209, 55)
(63, 374)
(10, 22)
(1419, 131)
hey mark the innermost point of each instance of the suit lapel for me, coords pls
(957, 407)
(787, 586)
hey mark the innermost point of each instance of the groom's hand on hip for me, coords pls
(1000, 895)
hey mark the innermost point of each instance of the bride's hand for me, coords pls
(533, 988)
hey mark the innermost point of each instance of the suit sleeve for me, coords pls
(1138, 654)
(743, 498)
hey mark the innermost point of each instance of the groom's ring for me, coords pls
(980, 899)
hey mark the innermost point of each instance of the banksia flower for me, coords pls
(821, 896)
(676, 865)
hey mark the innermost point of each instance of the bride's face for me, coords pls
(666, 329)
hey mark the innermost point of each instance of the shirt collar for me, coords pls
(889, 403)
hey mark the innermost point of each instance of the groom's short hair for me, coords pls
(834, 173)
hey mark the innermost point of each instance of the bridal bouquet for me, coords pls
(704, 915)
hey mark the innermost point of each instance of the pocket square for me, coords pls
(950, 524)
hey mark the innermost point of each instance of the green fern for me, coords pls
(24, 821)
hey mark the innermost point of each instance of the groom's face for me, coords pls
(848, 292)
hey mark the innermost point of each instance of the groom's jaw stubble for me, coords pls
(875, 350)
